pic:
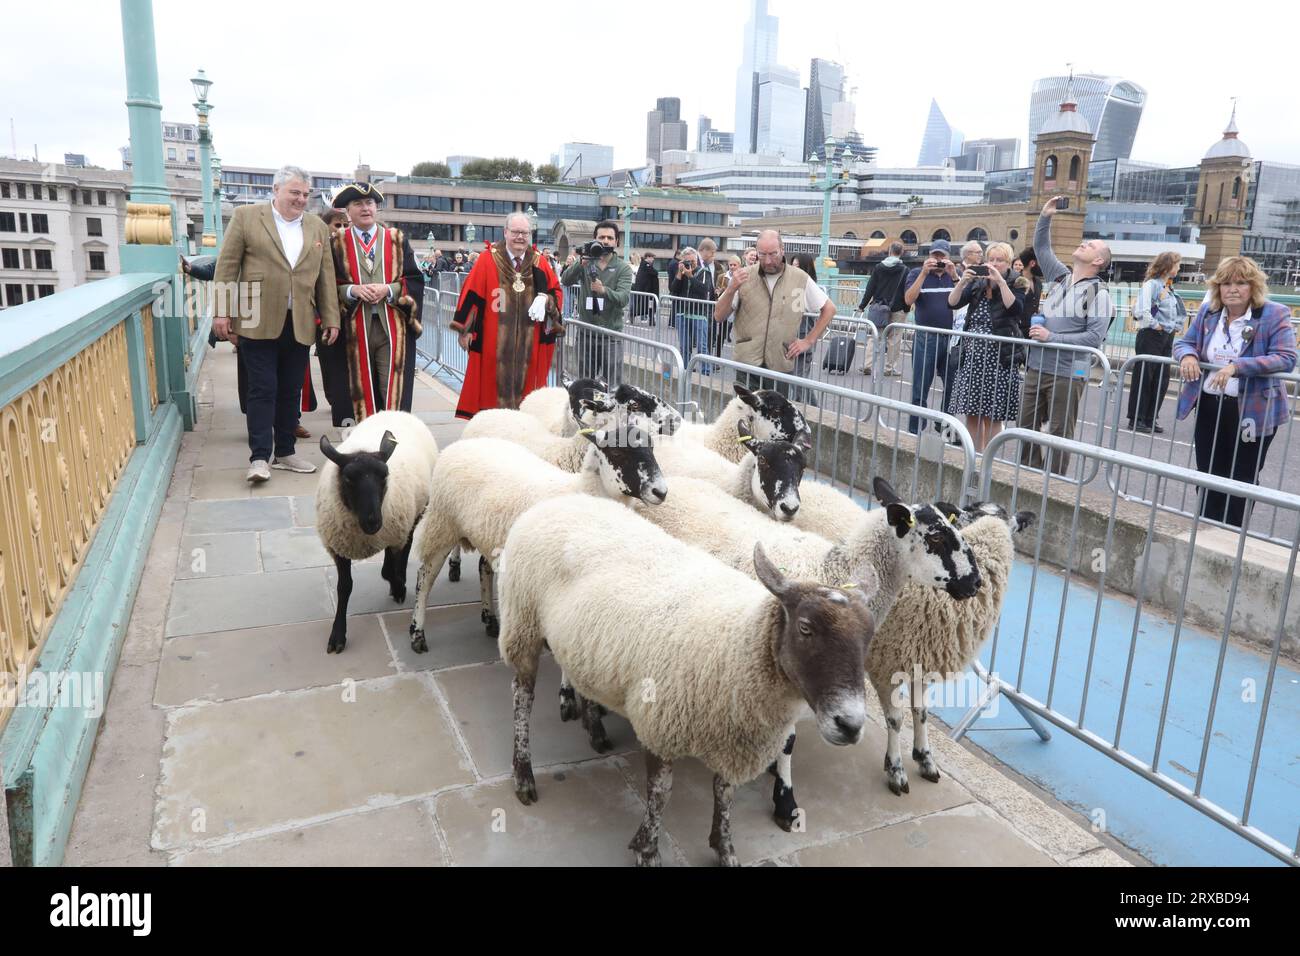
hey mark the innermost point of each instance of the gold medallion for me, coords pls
(518, 283)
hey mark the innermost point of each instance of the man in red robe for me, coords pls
(508, 318)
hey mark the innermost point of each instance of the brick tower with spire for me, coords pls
(1221, 196)
(1062, 151)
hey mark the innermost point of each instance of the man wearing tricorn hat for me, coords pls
(380, 291)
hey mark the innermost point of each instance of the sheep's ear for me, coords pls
(745, 395)
(600, 403)
(387, 445)
(329, 451)
(900, 517)
(627, 397)
(950, 510)
(884, 491)
(566, 382)
(1022, 520)
(746, 436)
(767, 573)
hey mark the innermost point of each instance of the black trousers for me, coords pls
(273, 369)
(1221, 450)
(1147, 389)
(755, 382)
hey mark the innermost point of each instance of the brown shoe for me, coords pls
(302, 432)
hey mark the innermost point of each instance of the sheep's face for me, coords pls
(962, 518)
(773, 418)
(663, 418)
(778, 471)
(363, 480)
(626, 463)
(933, 552)
(584, 388)
(822, 645)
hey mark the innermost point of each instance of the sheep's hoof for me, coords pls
(728, 858)
(600, 742)
(418, 643)
(399, 594)
(569, 709)
(526, 788)
(929, 769)
(897, 778)
(646, 852)
(492, 626)
(649, 859)
(338, 641)
(453, 572)
(785, 810)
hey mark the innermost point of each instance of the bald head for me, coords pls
(771, 252)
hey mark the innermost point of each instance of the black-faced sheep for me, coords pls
(372, 490)
(769, 415)
(703, 660)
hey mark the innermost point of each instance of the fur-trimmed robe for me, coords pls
(517, 350)
(351, 385)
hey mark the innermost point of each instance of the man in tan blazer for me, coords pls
(274, 275)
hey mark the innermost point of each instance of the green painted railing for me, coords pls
(96, 385)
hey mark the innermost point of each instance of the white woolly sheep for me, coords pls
(768, 414)
(928, 636)
(373, 488)
(888, 548)
(767, 478)
(557, 407)
(481, 485)
(702, 660)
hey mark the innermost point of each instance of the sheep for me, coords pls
(928, 635)
(888, 548)
(481, 485)
(567, 454)
(767, 478)
(703, 660)
(373, 488)
(769, 415)
(558, 408)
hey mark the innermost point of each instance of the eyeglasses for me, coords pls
(518, 232)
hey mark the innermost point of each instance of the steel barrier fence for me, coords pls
(851, 442)
(589, 351)
(1177, 444)
(1125, 690)
(1084, 412)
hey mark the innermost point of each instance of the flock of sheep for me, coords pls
(712, 618)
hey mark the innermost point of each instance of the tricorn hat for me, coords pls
(355, 191)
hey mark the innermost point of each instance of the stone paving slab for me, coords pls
(200, 605)
(584, 816)
(455, 636)
(227, 517)
(230, 664)
(304, 510)
(841, 791)
(969, 835)
(370, 591)
(285, 549)
(214, 555)
(267, 762)
(404, 835)
(481, 699)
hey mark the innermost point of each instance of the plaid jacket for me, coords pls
(1271, 350)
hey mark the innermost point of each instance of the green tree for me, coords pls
(915, 200)
(430, 168)
(502, 168)
(548, 173)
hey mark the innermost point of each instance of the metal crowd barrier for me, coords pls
(1141, 375)
(851, 442)
(590, 351)
(1120, 684)
(1090, 367)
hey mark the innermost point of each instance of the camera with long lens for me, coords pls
(591, 253)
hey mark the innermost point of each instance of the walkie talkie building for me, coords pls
(1111, 105)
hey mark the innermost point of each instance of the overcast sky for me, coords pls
(321, 84)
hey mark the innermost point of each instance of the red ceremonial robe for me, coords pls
(510, 355)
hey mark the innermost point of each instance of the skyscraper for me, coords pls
(757, 54)
(702, 127)
(717, 141)
(664, 128)
(825, 90)
(989, 154)
(940, 141)
(780, 115)
(1111, 105)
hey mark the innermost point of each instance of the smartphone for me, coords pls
(980, 270)
(1063, 202)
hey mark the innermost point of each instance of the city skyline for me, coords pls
(80, 105)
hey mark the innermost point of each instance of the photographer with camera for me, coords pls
(605, 287)
(1075, 309)
(691, 284)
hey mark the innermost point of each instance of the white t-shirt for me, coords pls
(1225, 346)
